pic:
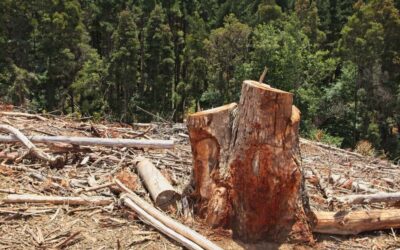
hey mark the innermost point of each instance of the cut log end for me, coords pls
(245, 173)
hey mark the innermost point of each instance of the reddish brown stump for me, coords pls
(245, 174)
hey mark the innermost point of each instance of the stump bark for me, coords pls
(246, 174)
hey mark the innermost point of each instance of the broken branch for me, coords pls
(18, 136)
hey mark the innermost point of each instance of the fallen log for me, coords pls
(369, 198)
(57, 161)
(355, 222)
(167, 221)
(246, 168)
(57, 200)
(161, 191)
(94, 141)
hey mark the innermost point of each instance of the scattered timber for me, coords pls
(150, 220)
(167, 221)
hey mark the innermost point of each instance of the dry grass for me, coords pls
(365, 148)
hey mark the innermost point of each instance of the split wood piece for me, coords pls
(356, 186)
(57, 200)
(23, 115)
(370, 198)
(355, 222)
(94, 141)
(148, 219)
(246, 171)
(57, 161)
(167, 221)
(161, 191)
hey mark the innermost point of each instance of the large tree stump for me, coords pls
(246, 175)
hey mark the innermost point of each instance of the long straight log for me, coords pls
(370, 198)
(94, 141)
(169, 222)
(57, 200)
(161, 191)
(148, 219)
(355, 222)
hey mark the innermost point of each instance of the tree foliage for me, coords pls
(142, 60)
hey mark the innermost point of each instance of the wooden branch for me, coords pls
(318, 144)
(169, 222)
(36, 152)
(9, 156)
(370, 198)
(161, 191)
(323, 186)
(150, 220)
(24, 115)
(355, 186)
(57, 200)
(94, 141)
(355, 222)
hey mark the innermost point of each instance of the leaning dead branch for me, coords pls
(355, 222)
(94, 141)
(33, 150)
(370, 198)
(167, 221)
(57, 200)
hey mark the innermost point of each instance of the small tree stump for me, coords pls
(246, 174)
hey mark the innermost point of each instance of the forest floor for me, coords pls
(28, 226)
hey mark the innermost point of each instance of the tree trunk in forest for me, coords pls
(246, 173)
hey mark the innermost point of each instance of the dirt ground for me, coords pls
(48, 226)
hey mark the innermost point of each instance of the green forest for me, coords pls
(149, 60)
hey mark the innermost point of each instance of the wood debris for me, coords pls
(89, 171)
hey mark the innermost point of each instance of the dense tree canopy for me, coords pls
(149, 60)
